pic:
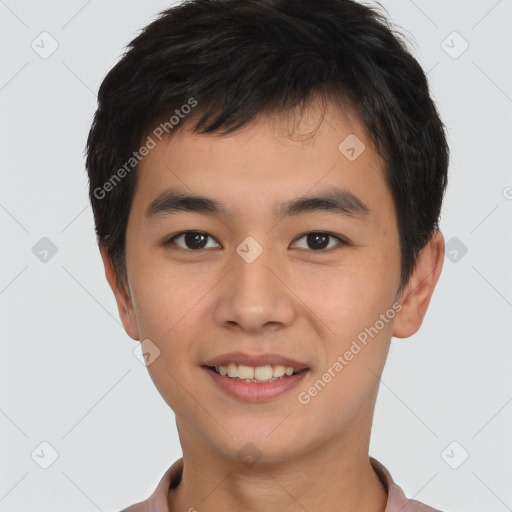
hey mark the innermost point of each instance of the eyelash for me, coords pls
(171, 240)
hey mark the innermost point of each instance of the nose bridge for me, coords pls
(253, 295)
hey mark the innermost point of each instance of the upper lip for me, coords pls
(255, 360)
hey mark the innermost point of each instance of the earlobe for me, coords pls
(123, 300)
(417, 294)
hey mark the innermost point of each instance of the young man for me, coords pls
(266, 178)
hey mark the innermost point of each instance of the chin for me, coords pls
(266, 443)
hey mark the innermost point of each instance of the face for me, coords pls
(259, 270)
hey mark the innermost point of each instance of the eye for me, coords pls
(318, 240)
(196, 240)
(193, 240)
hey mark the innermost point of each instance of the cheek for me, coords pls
(164, 295)
(354, 303)
(357, 308)
(165, 301)
(348, 297)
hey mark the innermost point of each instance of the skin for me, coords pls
(292, 300)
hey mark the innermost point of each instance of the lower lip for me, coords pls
(255, 391)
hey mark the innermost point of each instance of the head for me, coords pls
(253, 106)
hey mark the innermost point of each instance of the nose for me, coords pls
(255, 296)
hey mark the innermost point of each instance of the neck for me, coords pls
(334, 477)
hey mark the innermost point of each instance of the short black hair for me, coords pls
(233, 60)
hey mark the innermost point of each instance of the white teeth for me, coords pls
(246, 372)
(232, 370)
(278, 371)
(264, 373)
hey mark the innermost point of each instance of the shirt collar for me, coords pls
(397, 501)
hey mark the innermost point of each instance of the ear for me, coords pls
(124, 302)
(416, 296)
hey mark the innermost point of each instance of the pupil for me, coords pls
(314, 238)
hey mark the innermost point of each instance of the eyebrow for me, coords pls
(336, 200)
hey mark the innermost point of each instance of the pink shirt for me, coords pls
(397, 501)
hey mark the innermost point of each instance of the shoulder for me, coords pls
(157, 502)
(397, 500)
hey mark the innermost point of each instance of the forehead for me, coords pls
(268, 162)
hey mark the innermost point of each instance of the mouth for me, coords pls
(258, 378)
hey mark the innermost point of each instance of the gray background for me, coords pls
(69, 376)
